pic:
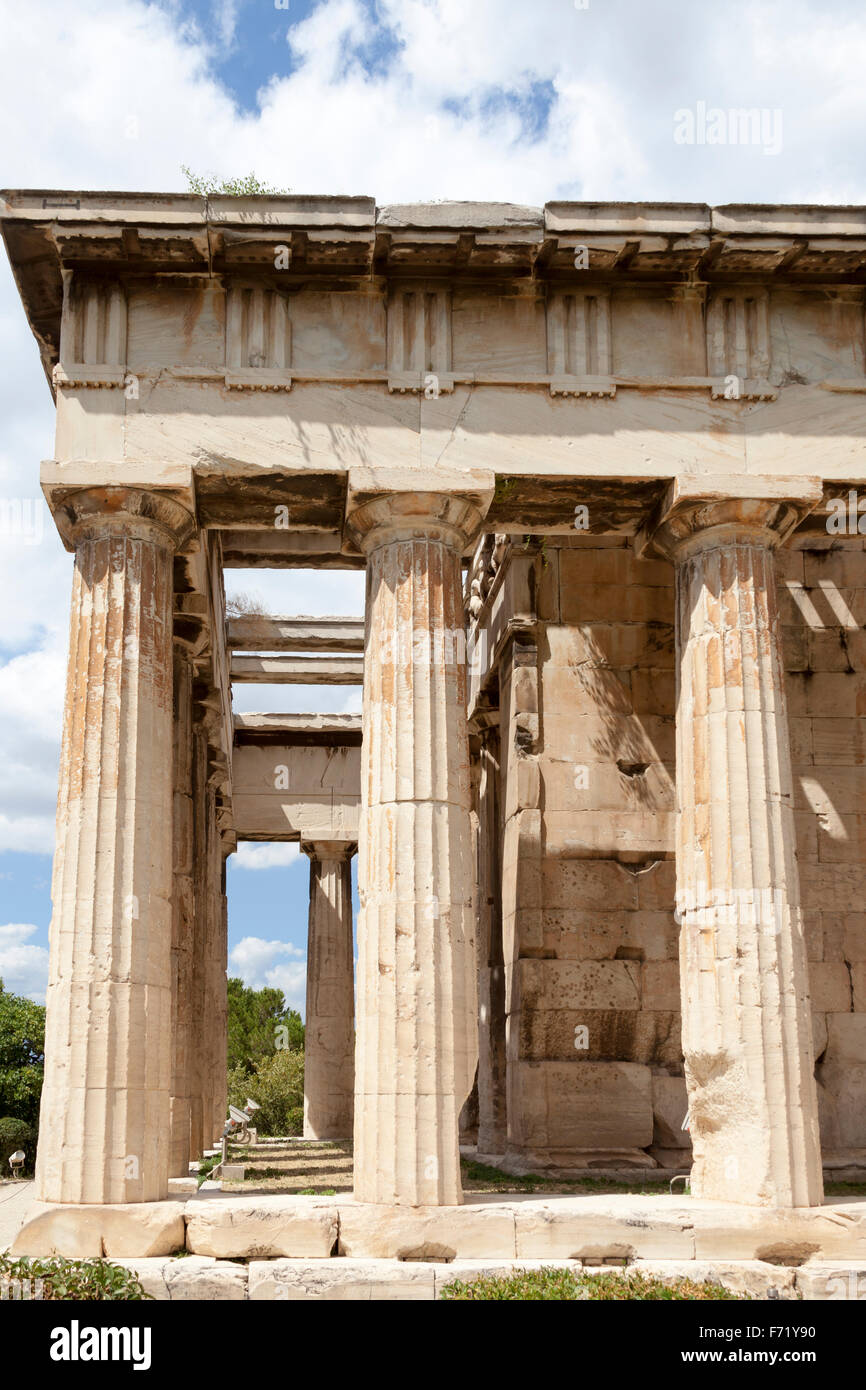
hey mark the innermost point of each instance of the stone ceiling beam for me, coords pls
(265, 633)
(298, 670)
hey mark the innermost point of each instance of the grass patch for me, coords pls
(483, 1173)
(560, 1285)
(845, 1189)
(206, 1167)
(483, 1177)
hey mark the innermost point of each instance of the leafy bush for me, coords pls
(22, 1047)
(277, 1083)
(295, 1120)
(79, 1281)
(567, 1284)
(16, 1134)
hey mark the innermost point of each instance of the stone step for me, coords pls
(198, 1277)
(618, 1226)
(588, 1228)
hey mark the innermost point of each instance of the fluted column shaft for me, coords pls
(219, 1058)
(104, 1124)
(745, 995)
(416, 1043)
(329, 1031)
(183, 912)
(198, 1139)
(492, 1065)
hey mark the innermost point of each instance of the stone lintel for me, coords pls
(266, 633)
(298, 670)
(331, 729)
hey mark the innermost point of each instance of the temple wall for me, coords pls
(823, 607)
(587, 704)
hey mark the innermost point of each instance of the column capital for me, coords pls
(87, 513)
(394, 504)
(328, 849)
(703, 513)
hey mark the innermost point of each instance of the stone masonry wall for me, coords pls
(594, 1059)
(597, 1070)
(822, 596)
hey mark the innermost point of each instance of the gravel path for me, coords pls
(16, 1199)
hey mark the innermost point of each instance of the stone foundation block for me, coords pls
(78, 1232)
(427, 1233)
(342, 1280)
(779, 1236)
(832, 1279)
(191, 1278)
(290, 1226)
(610, 1228)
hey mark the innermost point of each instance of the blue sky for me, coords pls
(401, 100)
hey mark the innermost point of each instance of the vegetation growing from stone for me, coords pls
(248, 186)
(277, 1083)
(245, 605)
(526, 1285)
(22, 1048)
(206, 1167)
(78, 1281)
(16, 1134)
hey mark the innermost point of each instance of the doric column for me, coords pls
(416, 1025)
(492, 1064)
(219, 1063)
(329, 1034)
(183, 911)
(199, 1128)
(745, 992)
(104, 1129)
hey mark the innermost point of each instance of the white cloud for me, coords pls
(270, 855)
(31, 702)
(494, 99)
(23, 967)
(277, 964)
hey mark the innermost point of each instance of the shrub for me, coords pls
(295, 1120)
(16, 1134)
(566, 1284)
(277, 1083)
(79, 1281)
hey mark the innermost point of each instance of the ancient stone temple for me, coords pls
(600, 463)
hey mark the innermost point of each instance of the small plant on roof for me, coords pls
(208, 186)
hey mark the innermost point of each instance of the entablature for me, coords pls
(258, 293)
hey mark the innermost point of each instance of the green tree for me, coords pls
(22, 1056)
(208, 185)
(259, 1024)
